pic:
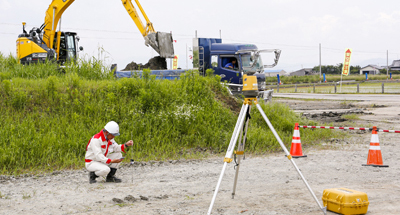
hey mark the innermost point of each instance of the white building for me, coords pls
(371, 70)
(395, 65)
(273, 73)
(302, 72)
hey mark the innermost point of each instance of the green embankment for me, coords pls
(47, 117)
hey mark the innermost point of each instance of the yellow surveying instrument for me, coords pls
(250, 92)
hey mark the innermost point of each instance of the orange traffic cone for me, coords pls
(295, 149)
(374, 154)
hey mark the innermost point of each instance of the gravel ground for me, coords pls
(267, 184)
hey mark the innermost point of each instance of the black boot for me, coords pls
(92, 177)
(111, 177)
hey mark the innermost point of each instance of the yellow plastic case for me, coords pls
(345, 201)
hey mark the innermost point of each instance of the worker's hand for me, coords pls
(129, 143)
(116, 160)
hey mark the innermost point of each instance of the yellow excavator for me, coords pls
(46, 43)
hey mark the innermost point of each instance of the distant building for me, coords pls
(273, 73)
(302, 72)
(371, 70)
(395, 65)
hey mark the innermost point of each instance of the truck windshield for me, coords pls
(247, 62)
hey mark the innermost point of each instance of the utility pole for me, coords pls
(320, 63)
(387, 64)
(170, 61)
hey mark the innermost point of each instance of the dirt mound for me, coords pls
(154, 63)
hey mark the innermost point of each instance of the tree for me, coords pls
(331, 69)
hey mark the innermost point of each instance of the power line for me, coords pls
(3, 23)
(185, 36)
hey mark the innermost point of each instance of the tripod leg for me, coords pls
(239, 153)
(289, 156)
(227, 159)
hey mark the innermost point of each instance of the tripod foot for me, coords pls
(324, 210)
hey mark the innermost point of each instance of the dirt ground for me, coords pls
(267, 184)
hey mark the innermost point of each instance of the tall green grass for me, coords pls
(48, 117)
(88, 68)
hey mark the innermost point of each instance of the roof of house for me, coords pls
(305, 70)
(274, 70)
(373, 66)
(396, 63)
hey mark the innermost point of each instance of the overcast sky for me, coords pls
(369, 27)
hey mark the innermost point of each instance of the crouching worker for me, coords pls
(103, 154)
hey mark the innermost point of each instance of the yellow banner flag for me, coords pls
(175, 62)
(346, 65)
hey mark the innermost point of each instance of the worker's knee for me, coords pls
(115, 155)
(103, 171)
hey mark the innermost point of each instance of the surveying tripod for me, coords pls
(250, 91)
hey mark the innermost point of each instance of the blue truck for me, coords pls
(230, 61)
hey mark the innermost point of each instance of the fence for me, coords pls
(349, 87)
(349, 128)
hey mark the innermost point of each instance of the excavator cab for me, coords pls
(68, 46)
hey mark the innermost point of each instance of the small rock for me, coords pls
(162, 197)
(144, 198)
(119, 201)
(130, 198)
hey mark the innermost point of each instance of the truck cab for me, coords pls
(211, 53)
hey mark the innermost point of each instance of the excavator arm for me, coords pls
(144, 29)
(159, 41)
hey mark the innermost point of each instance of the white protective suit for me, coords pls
(100, 152)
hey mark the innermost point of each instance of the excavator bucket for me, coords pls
(161, 42)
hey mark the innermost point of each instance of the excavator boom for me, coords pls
(53, 16)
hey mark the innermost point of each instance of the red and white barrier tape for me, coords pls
(348, 128)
